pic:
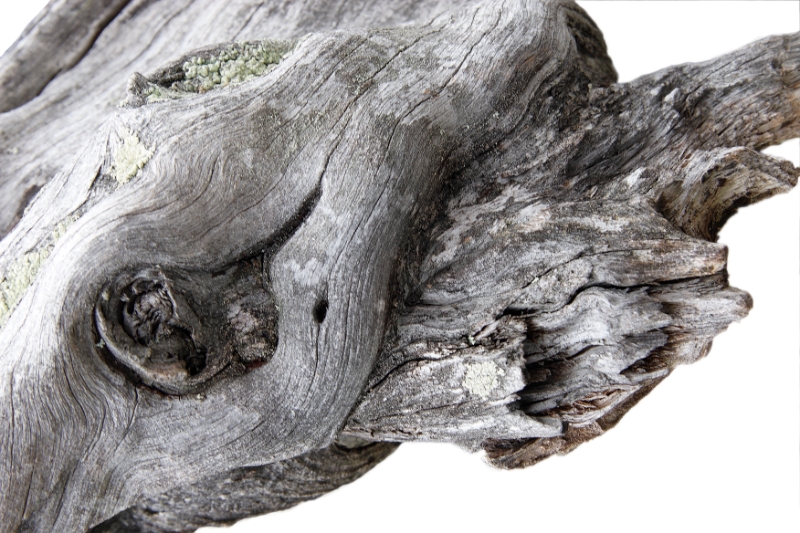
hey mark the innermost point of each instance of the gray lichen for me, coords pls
(23, 271)
(481, 378)
(223, 65)
(18, 279)
(130, 157)
(237, 63)
(62, 227)
(156, 93)
(231, 64)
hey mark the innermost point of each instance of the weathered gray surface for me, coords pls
(243, 492)
(460, 230)
(142, 37)
(52, 43)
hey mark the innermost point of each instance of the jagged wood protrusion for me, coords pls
(564, 217)
(459, 230)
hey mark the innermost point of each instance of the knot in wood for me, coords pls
(146, 311)
(154, 333)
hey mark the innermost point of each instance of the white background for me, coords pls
(714, 448)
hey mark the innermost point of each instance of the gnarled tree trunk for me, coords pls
(278, 257)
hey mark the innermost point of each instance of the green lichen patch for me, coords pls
(205, 70)
(18, 278)
(129, 158)
(62, 227)
(21, 274)
(156, 93)
(233, 64)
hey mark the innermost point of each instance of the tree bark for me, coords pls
(459, 230)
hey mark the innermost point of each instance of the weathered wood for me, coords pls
(459, 230)
(54, 42)
(142, 37)
(244, 492)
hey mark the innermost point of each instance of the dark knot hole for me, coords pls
(321, 311)
(148, 316)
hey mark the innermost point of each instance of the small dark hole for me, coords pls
(321, 311)
(196, 362)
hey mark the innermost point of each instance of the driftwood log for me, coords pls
(237, 282)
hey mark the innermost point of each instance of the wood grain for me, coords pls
(457, 230)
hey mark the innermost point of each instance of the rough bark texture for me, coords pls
(456, 229)
(244, 492)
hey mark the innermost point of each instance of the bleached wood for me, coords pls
(458, 230)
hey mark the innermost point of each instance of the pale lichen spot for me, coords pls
(229, 65)
(62, 227)
(130, 157)
(480, 379)
(22, 272)
(156, 93)
(18, 278)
